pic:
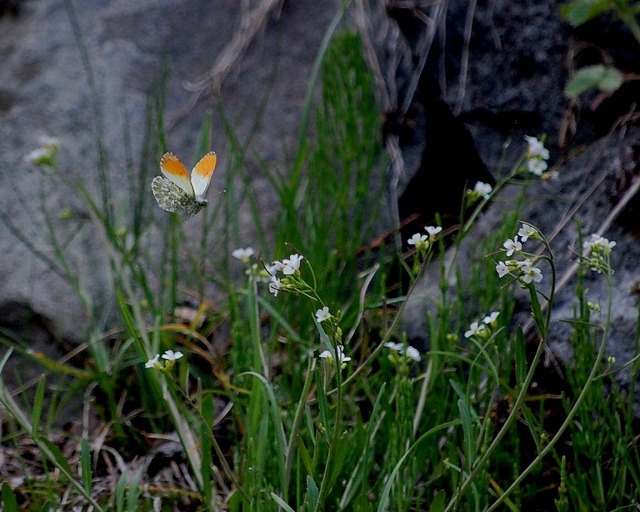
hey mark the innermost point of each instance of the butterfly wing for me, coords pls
(174, 171)
(170, 197)
(201, 175)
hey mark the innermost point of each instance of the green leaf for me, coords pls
(468, 434)
(312, 493)
(85, 464)
(437, 505)
(9, 501)
(281, 502)
(121, 488)
(581, 11)
(594, 77)
(134, 492)
(57, 457)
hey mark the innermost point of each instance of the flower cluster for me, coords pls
(291, 280)
(537, 156)
(596, 253)
(404, 350)
(522, 269)
(331, 326)
(290, 268)
(483, 329)
(169, 356)
(423, 242)
(328, 356)
(480, 190)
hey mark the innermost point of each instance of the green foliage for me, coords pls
(335, 196)
(313, 410)
(597, 76)
(579, 12)
(9, 502)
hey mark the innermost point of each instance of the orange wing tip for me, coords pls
(172, 164)
(206, 165)
(168, 156)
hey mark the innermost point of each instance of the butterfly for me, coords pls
(176, 192)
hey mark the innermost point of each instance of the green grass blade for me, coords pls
(38, 404)
(313, 493)
(467, 431)
(9, 502)
(85, 464)
(134, 492)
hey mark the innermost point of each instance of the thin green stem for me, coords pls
(337, 429)
(572, 412)
(297, 422)
(523, 390)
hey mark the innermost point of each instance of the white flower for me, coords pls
(598, 249)
(274, 286)
(170, 355)
(475, 329)
(483, 189)
(340, 351)
(153, 362)
(536, 148)
(421, 242)
(537, 155)
(598, 244)
(433, 231)
(397, 347)
(323, 314)
(410, 352)
(527, 231)
(512, 245)
(291, 265)
(529, 272)
(536, 166)
(491, 318)
(276, 266)
(502, 269)
(243, 254)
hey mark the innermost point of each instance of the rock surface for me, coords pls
(509, 82)
(45, 91)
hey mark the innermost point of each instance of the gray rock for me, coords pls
(45, 91)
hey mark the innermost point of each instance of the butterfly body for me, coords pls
(176, 191)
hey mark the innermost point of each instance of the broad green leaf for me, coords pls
(9, 502)
(437, 505)
(581, 11)
(592, 77)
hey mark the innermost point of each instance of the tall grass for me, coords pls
(266, 415)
